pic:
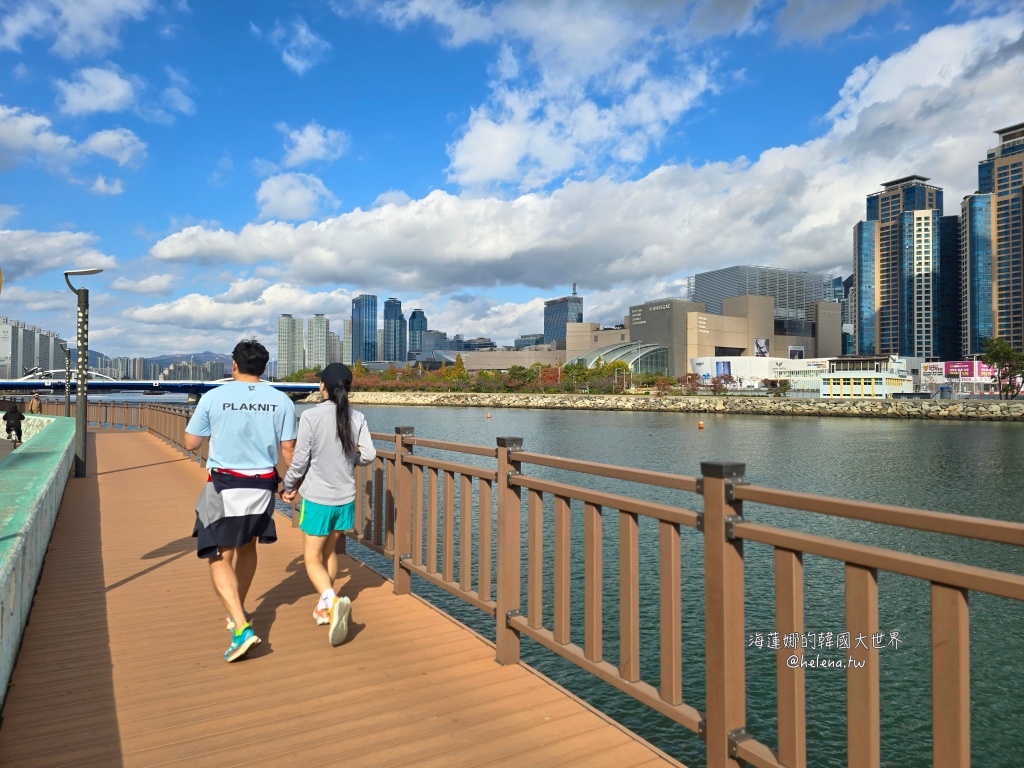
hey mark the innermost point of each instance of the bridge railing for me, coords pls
(453, 515)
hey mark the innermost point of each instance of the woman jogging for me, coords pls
(333, 440)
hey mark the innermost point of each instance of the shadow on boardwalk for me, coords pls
(122, 663)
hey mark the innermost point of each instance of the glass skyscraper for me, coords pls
(898, 265)
(364, 328)
(1001, 178)
(395, 331)
(417, 325)
(976, 305)
(558, 313)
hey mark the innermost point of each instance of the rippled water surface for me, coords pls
(961, 467)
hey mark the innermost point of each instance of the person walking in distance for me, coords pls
(249, 423)
(34, 405)
(333, 440)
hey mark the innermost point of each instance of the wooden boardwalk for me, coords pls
(121, 664)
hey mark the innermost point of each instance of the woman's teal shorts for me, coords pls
(320, 519)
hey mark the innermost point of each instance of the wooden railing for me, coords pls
(408, 512)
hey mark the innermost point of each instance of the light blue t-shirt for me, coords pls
(246, 423)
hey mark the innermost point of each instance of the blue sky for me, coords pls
(225, 162)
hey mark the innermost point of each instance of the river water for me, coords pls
(961, 467)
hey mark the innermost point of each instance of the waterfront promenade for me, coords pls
(121, 664)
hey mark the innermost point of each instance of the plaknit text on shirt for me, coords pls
(249, 406)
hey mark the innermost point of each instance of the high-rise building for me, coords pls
(346, 342)
(317, 329)
(290, 349)
(794, 292)
(396, 345)
(900, 280)
(417, 325)
(992, 256)
(364, 328)
(23, 347)
(560, 312)
(977, 308)
(335, 348)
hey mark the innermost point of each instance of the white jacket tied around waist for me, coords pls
(329, 473)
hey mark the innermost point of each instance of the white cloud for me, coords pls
(154, 284)
(174, 98)
(625, 241)
(293, 196)
(102, 187)
(25, 136)
(227, 312)
(38, 301)
(78, 27)
(28, 252)
(95, 89)
(119, 144)
(814, 20)
(311, 143)
(301, 48)
(391, 197)
(8, 212)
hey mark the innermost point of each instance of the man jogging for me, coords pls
(250, 424)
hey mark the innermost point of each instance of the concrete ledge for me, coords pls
(34, 478)
(987, 410)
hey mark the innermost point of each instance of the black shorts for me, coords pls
(233, 532)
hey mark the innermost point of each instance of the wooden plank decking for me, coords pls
(121, 664)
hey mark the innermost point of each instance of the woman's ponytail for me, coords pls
(339, 396)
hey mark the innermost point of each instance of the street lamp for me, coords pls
(82, 386)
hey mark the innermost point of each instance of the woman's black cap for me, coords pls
(335, 374)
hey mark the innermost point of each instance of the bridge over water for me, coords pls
(121, 663)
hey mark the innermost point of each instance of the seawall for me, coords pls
(987, 410)
(34, 477)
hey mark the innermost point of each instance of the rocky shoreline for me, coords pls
(981, 410)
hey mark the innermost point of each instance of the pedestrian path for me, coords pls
(121, 664)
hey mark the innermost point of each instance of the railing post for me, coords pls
(403, 510)
(723, 613)
(509, 551)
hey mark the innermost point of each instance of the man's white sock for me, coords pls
(327, 599)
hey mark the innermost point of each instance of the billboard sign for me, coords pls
(761, 347)
(796, 353)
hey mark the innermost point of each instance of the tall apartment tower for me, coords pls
(335, 348)
(318, 328)
(290, 349)
(396, 344)
(417, 325)
(346, 342)
(560, 312)
(364, 328)
(991, 255)
(899, 277)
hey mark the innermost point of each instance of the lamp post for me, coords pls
(82, 385)
(67, 380)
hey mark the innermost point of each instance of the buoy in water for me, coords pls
(488, 415)
(700, 425)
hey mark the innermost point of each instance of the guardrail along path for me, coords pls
(121, 664)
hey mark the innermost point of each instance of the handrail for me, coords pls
(438, 520)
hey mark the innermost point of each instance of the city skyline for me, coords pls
(629, 147)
